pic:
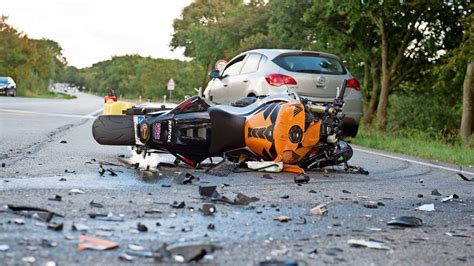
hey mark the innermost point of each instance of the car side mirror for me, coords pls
(214, 74)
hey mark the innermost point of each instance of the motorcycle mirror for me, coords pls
(214, 74)
(341, 92)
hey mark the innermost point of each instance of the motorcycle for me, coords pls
(283, 129)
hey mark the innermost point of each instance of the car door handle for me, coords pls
(245, 81)
(225, 85)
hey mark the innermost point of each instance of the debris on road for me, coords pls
(208, 191)
(371, 205)
(302, 178)
(282, 218)
(76, 191)
(458, 234)
(38, 213)
(56, 198)
(178, 205)
(153, 211)
(69, 171)
(287, 262)
(140, 253)
(450, 198)
(185, 253)
(63, 141)
(93, 204)
(407, 221)
(321, 209)
(465, 178)
(346, 191)
(79, 227)
(55, 227)
(211, 227)
(28, 259)
(135, 247)
(426, 207)
(267, 176)
(208, 209)
(109, 217)
(242, 199)
(92, 243)
(4, 248)
(356, 170)
(126, 257)
(142, 228)
(185, 178)
(435, 192)
(301, 220)
(367, 243)
(285, 197)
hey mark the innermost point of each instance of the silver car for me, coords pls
(313, 75)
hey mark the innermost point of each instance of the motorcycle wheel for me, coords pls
(114, 130)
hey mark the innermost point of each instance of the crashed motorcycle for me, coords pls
(283, 129)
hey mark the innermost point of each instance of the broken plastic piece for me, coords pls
(321, 209)
(185, 178)
(367, 243)
(301, 178)
(190, 252)
(95, 205)
(450, 197)
(75, 191)
(265, 166)
(287, 262)
(242, 199)
(88, 242)
(435, 192)
(426, 207)
(371, 205)
(407, 221)
(56, 198)
(142, 228)
(56, 227)
(208, 191)
(79, 227)
(178, 205)
(110, 217)
(282, 218)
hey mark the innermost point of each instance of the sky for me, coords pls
(90, 31)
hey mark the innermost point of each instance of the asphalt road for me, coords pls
(36, 161)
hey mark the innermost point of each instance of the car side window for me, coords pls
(262, 61)
(251, 64)
(233, 68)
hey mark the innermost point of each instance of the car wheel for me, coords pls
(351, 131)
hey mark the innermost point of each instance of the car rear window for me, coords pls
(316, 64)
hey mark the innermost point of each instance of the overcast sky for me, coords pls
(90, 31)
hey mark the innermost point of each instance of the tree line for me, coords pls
(33, 64)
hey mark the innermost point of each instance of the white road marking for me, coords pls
(87, 116)
(415, 162)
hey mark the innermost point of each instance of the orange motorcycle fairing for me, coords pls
(278, 132)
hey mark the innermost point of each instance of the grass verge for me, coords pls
(415, 144)
(47, 95)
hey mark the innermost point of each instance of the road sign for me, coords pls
(171, 84)
(220, 65)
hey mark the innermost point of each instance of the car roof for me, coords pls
(272, 53)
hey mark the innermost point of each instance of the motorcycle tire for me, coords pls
(114, 130)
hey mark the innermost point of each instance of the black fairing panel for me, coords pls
(227, 131)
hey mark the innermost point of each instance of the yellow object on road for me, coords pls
(115, 108)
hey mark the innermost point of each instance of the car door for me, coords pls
(248, 75)
(225, 88)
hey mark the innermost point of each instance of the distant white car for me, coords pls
(313, 75)
(7, 86)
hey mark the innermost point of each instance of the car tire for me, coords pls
(114, 130)
(351, 131)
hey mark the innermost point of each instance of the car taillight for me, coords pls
(353, 83)
(279, 80)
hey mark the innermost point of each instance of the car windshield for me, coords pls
(310, 64)
(3, 80)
